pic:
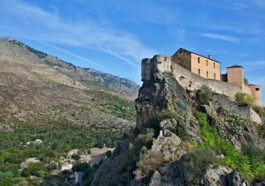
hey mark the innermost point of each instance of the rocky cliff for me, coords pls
(186, 138)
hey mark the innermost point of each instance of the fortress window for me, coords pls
(198, 59)
(206, 62)
(164, 58)
(213, 65)
(207, 74)
(214, 75)
(257, 89)
(199, 72)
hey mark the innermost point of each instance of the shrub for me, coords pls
(35, 169)
(167, 115)
(204, 94)
(181, 130)
(259, 111)
(246, 81)
(243, 99)
(261, 130)
(223, 111)
(123, 166)
(236, 123)
(149, 162)
(108, 153)
(196, 163)
(6, 182)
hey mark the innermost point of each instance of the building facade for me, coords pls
(193, 70)
(205, 67)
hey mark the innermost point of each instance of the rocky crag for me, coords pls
(186, 138)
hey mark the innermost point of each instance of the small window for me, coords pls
(213, 65)
(164, 58)
(206, 62)
(207, 74)
(214, 75)
(199, 72)
(199, 60)
(257, 89)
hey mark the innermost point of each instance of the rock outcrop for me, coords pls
(180, 152)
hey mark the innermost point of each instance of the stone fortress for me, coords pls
(192, 71)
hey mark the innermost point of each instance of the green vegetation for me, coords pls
(204, 94)
(167, 115)
(35, 169)
(244, 163)
(58, 138)
(246, 81)
(149, 162)
(243, 99)
(259, 110)
(196, 163)
(118, 107)
(261, 130)
(181, 130)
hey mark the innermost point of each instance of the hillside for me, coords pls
(61, 106)
(185, 137)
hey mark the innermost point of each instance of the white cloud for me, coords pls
(51, 28)
(220, 37)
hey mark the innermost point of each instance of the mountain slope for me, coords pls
(86, 76)
(33, 91)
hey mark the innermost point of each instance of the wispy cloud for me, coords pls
(72, 54)
(92, 34)
(220, 37)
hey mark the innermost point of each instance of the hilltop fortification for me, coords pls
(192, 71)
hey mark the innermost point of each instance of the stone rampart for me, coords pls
(187, 79)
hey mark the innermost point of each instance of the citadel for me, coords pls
(192, 71)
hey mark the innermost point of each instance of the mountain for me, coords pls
(38, 87)
(86, 76)
(187, 137)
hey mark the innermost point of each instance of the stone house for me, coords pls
(193, 70)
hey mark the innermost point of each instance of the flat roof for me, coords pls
(235, 66)
(198, 55)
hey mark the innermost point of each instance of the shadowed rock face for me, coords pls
(163, 93)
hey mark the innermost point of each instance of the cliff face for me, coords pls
(181, 140)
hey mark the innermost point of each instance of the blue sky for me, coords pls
(113, 36)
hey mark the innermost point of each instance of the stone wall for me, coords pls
(187, 79)
(193, 82)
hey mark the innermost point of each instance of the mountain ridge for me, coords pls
(82, 75)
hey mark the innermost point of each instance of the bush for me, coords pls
(196, 163)
(6, 182)
(204, 94)
(246, 81)
(109, 154)
(123, 166)
(243, 99)
(181, 130)
(149, 162)
(167, 115)
(35, 169)
(261, 130)
(259, 110)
